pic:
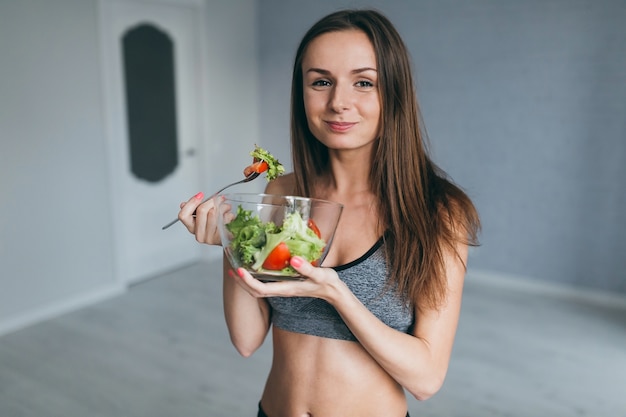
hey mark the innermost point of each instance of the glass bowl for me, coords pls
(260, 232)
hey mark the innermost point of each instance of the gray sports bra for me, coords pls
(366, 277)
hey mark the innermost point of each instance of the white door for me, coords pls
(152, 174)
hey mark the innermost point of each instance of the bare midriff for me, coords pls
(319, 377)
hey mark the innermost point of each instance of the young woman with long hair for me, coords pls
(380, 315)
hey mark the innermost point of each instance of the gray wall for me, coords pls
(56, 243)
(525, 106)
(55, 224)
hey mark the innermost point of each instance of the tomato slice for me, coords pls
(317, 232)
(257, 166)
(278, 258)
(314, 227)
(260, 167)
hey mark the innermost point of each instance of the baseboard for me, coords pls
(535, 286)
(59, 308)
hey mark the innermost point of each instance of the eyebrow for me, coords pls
(354, 71)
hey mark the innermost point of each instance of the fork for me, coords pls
(247, 179)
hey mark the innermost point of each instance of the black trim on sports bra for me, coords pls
(363, 257)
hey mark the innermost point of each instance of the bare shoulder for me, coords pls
(283, 185)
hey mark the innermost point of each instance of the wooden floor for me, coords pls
(162, 350)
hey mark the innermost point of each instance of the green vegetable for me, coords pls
(275, 168)
(254, 240)
(249, 234)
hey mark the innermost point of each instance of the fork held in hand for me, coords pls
(247, 179)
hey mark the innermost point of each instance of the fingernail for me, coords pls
(240, 272)
(199, 195)
(296, 261)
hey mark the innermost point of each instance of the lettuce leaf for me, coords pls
(274, 168)
(249, 234)
(298, 237)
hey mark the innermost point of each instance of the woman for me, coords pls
(382, 312)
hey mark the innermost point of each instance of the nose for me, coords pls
(340, 98)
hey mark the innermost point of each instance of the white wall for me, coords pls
(56, 242)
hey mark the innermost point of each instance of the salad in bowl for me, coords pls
(261, 232)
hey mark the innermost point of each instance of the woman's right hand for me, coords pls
(204, 224)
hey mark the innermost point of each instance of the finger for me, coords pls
(225, 210)
(312, 273)
(213, 212)
(203, 220)
(185, 215)
(253, 286)
(301, 265)
(263, 289)
(207, 216)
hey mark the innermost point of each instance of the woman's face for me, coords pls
(340, 89)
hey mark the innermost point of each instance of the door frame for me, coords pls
(111, 99)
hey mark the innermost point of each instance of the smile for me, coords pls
(340, 126)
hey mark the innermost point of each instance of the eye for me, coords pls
(320, 83)
(364, 84)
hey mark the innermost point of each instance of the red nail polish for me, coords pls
(240, 271)
(199, 196)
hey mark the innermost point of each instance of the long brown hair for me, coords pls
(424, 212)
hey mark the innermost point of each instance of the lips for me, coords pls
(340, 126)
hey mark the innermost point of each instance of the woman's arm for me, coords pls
(419, 362)
(247, 318)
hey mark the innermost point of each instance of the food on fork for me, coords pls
(263, 161)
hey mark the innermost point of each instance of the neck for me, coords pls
(348, 176)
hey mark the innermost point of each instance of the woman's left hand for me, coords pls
(319, 282)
